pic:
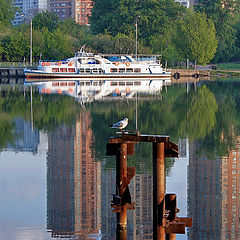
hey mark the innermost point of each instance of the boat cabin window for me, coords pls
(129, 69)
(94, 70)
(95, 83)
(129, 83)
(121, 70)
(81, 83)
(92, 61)
(81, 70)
(137, 70)
(121, 83)
(71, 70)
(63, 69)
(88, 70)
(87, 83)
(137, 83)
(113, 83)
(55, 69)
(63, 84)
(100, 70)
(71, 83)
(113, 70)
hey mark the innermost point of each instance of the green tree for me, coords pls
(196, 37)
(15, 47)
(6, 12)
(46, 20)
(223, 13)
(156, 19)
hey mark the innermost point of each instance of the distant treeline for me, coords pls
(209, 32)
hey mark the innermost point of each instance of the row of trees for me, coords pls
(164, 27)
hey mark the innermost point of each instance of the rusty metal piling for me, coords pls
(121, 182)
(165, 222)
(158, 191)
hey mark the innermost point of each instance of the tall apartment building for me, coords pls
(185, 3)
(82, 10)
(26, 9)
(188, 3)
(79, 10)
(63, 9)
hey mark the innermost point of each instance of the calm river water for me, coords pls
(56, 181)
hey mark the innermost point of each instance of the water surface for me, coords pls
(57, 182)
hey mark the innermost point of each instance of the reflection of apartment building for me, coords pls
(27, 138)
(60, 182)
(231, 194)
(204, 195)
(141, 217)
(87, 178)
(73, 182)
(214, 195)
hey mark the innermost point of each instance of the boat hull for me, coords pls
(33, 76)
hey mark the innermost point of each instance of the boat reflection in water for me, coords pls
(88, 91)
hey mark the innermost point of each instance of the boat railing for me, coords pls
(54, 62)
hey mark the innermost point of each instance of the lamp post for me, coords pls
(137, 35)
(30, 36)
(31, 40)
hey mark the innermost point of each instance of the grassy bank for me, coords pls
(228, 66)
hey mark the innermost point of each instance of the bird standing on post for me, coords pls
(121, 124)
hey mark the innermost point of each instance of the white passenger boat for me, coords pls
(88, 66)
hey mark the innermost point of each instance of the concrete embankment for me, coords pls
(11, 75)
(178, 73)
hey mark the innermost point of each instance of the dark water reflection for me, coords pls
(56, 181)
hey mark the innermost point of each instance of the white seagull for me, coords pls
(121, 124)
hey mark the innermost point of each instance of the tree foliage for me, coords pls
(196, 37)
(223, 14)
(46, 20)
(6, 12)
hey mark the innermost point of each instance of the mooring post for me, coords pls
(121, 176)
(158, 191)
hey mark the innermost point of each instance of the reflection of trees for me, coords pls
(201, 113)
(208, 114)
(6, 130)
(49, 113)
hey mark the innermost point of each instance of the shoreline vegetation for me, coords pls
(207, 32)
